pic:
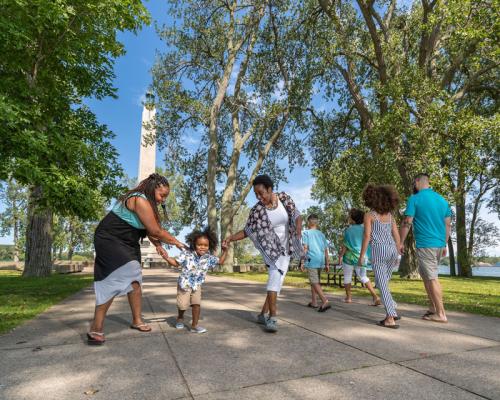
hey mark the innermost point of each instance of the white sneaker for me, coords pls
(179, 325)
(198, 329)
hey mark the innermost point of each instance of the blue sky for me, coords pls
(123, 115)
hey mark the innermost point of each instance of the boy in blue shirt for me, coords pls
(316, 249)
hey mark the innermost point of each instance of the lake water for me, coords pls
(476, 271)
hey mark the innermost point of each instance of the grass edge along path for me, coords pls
(22, 299)
(477, 295)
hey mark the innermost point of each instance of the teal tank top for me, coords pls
(128, 216)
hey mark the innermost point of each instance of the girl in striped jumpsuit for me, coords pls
(381, 231)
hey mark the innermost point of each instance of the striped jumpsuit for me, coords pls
(384, 259)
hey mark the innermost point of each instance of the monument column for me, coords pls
(147, 166)
(147, 154)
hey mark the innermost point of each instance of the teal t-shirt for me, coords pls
(316, 245)
(353, 240)
(129, 216)
(429, 210)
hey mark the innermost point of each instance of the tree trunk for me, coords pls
(38, 260)
(408, 268)
(16, 239)
(451, 256)
(71, 246)
(462, 251)
(226, 230)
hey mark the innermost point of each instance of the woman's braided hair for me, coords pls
(147, 187)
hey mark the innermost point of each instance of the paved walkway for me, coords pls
(340, 354)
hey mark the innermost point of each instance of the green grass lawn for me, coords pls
(24, 298)
(477, 295)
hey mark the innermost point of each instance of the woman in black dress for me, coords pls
(117, 268)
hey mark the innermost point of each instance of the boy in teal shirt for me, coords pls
(316, 250)
(349, 255)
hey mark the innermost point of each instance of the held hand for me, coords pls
(226, 241)
(445, 252)
(224, 245)
(401, 249)
(162, 252)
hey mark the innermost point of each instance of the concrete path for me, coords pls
(340, 354)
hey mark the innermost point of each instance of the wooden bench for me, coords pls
(336, 275)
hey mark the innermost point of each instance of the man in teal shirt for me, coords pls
(430, 215)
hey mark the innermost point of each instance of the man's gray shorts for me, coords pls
(428, 262)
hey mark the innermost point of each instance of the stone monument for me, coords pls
(147, 166)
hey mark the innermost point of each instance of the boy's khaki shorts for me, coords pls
(186, 298)
(314, 275)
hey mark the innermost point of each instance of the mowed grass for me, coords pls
(24, 298)
(478, 295)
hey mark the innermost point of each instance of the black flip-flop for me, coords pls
(311, 306)
(428, 313)
(93, 341)
(397, 318)
(382, 323)
(323, 309)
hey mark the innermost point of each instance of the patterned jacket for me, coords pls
(260, 231)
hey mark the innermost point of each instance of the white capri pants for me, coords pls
(276, 278)
(360, 271)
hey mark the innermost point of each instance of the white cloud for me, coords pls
(188, 139)
(301, 195)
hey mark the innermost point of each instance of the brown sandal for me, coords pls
(141, 327)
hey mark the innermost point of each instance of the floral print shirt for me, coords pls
(194, 268)
(260, 231)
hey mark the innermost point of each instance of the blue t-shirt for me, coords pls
(429, 210)
(353, 240)
(316, 245)
(129, 216)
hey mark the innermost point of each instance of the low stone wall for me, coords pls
(259, 267)
(11, 266)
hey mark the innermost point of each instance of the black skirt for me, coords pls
(116, 243)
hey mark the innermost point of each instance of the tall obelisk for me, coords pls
(147, 155)
(147, 166)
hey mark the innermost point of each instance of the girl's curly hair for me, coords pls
(196, 234)
(382, 198)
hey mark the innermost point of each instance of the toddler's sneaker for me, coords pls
(198, 329)
(272, 325)
(179, 325)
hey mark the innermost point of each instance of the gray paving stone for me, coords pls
(476, 370)
(126, 369)
(234, 359)
(384, 382)
(340, 354)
